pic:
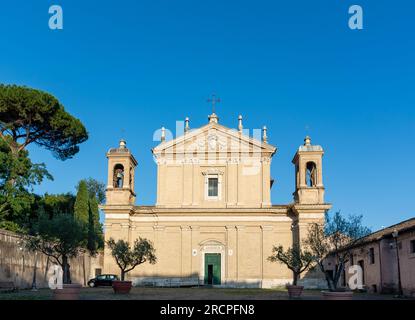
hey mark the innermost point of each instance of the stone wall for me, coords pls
(18, 264)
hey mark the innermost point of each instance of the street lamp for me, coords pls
(395, 235)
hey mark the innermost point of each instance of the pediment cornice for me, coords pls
(214, 138)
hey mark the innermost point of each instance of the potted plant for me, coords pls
(128, 259)
(335, 240)
(297, 261)
(60, 238)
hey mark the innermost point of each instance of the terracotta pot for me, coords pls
(68, 292)
(122, 287)
(345, 295)
(295, 291)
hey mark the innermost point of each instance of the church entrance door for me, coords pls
(212, 268)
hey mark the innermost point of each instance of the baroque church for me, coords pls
(214, 222)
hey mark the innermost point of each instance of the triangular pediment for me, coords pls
(214, 137)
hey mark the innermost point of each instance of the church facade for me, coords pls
(214, 222)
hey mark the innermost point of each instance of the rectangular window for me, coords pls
(372, 255)
(412, 246)
(213, 187)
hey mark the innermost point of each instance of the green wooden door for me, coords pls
(212, 269)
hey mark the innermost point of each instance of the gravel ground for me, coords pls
(180, 294)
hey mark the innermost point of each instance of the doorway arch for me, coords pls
(212, 250)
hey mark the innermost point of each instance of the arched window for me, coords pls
(118, 176)
(311, 174)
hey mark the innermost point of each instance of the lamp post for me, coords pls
(395, 235)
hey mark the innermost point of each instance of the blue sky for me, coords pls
(294, 66)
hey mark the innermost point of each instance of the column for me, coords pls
(266, 182)
(231, 253)
(186, 251)
(157, 244)
(232, 181)
(161, 164)
(196, 182)
(239, 183)
(196, 254)
(267, 243)
(239, 249)
(187, 183)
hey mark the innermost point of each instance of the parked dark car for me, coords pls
(103, 280)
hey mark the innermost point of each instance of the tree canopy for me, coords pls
(33, 116)
(95, 189)
(18, 175)
(29, 116)
(335, 238)
(52, 204)
(297, 260)
(60, 237)
(128, 258)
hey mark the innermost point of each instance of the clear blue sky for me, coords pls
(290, 65)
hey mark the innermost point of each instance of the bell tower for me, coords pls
(309, 187)
(121, 167)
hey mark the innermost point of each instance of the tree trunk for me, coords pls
(337, 275)
(327, 276)
(329, 280)
(295, 278)
(66, 270)
(122, 275)
(14, 148)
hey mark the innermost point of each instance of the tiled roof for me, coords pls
(401, 227)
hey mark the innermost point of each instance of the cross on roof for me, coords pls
(214, 101)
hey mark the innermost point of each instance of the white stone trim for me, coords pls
(206, 219)
(215, 175)
(117, 216)
(311, 215)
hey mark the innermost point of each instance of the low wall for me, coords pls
(18, 265)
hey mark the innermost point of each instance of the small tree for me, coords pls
(336, 239)
(297, 260)
(128, 258)
(60, 238)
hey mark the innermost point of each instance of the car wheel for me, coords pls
(91, 284)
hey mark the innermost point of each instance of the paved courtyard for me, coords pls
(181, 294)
